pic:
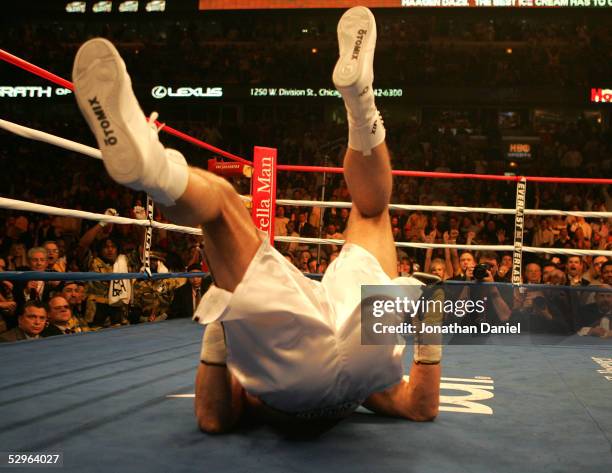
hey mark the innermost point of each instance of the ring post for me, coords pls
(263, 186)
(148, 237)
(519, 225)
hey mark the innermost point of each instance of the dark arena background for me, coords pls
(474, 94)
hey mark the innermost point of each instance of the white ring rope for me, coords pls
(95, 153)
(47, 209)
(401, 244)
(38, 135)
(444, 208)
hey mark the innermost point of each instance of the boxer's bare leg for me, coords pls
(134, 157)
(367, 170)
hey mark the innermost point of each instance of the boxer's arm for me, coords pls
(417, 399)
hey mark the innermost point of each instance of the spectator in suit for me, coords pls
(187, 297)
(39, 291)
(304, 228)
(575, 271)
(74, 292)
(61, 319)
(30, 323)
(533, 274)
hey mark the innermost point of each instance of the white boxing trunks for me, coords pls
(296, 343)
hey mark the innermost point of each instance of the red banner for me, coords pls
(263, 185)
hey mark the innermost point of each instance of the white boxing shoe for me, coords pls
(132, 153)
(354, 70)
(353, 77)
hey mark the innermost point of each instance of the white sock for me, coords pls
(214, 350)
(366, 129)
(428, 346)
(170, 181)
(427, 353)
(365, 137)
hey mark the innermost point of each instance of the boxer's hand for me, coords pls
(428, 346)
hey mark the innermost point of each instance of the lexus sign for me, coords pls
(162, 92)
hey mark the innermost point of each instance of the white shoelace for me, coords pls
(152, 119)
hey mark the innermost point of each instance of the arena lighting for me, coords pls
(130, 6)
(156, 5)
(76, 7)
(259, 4)
(102, 7)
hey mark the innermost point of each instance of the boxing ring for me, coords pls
(122, 399)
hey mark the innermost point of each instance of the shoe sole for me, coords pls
(99, 77)
(357, 33)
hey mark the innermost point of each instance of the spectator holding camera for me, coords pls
(595, 319)
(538, 313)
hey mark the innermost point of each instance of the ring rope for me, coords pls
(38, 135)
(21, 63)
(13, 204)
(401, 244)
(443, 208)
(453, 175)
(72, 146)
(91, 276)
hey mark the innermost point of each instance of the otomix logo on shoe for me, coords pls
(109, 139)
(364, 91)
(357, 47)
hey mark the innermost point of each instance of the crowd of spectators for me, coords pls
(422, 49)
(44, 243)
